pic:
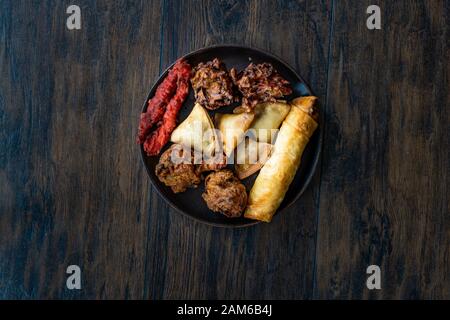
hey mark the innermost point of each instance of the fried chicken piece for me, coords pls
(212, 85)
(259, 83)
(176, 169)
(225, 193)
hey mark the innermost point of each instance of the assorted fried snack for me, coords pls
(214, 163)
(225, 193)
(212, 85)
(276, 175)
(259, 83)
(250, 137)
(156, 105)
(232, 128)
(178, 175)
(268, 116)
(197, 131)
(158, 122)
(250, 157)
(177, 168)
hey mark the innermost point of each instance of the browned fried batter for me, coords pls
(183, 174)
(215, 163)
(259, 83)
(212, 85)
(178, 176)
(225, 193)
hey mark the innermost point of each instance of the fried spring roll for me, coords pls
(278, 172)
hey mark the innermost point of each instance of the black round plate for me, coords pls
(191, 202)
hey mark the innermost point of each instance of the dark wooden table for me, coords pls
(73, 189)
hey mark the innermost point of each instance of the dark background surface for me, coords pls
(73, 189)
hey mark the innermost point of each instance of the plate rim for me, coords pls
(316, 155)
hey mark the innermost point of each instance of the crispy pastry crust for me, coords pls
(278, 172)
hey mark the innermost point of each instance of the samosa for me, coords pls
(233, 128)
(197, 131)
(269, 116)
(251, 156)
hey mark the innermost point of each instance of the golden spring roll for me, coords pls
(278, 172)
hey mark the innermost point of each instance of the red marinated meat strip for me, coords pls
(159, 137)
(156, 105)
(154, 142)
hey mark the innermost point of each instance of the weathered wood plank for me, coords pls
(190, 260)
(384, 194)
(73, 188)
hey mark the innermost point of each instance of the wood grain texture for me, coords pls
(73, 189)
(272, 261)
(384, 194)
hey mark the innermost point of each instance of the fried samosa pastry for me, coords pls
(233, 128)
(250, 157)
(268, 116)
(278, 172)
(197, 131)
